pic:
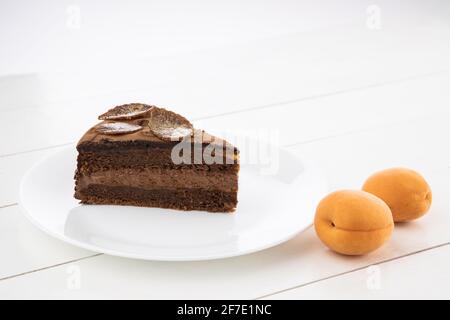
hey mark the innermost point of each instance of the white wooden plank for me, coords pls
(51, 40)
(338, 114)
(248, 74)
(347, 160)
(300, 121)
(24, 248)
(48, 109)
(102, 35)
(420, 276)
(12, 170)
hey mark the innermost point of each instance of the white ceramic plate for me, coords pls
(272, 209)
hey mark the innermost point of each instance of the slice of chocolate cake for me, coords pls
(142, 155)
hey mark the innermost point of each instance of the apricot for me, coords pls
(405, 191)
(353, 222)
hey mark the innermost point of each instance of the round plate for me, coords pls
(274, 205)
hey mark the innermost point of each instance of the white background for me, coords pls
(353, 93)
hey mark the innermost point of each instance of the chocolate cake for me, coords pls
(143, 155)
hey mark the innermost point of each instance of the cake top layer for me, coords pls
(164, 124)
(138, 124)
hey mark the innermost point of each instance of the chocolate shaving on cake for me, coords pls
(126, 112)
(168, 125)
(115, 128)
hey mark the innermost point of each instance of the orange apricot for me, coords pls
(405, 191)
(353, 222)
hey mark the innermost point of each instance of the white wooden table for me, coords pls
(353, 99)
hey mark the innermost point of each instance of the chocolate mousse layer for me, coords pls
(152, 178)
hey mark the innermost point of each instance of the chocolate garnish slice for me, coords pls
(126, 112)
(115, 128)
(168, 125)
